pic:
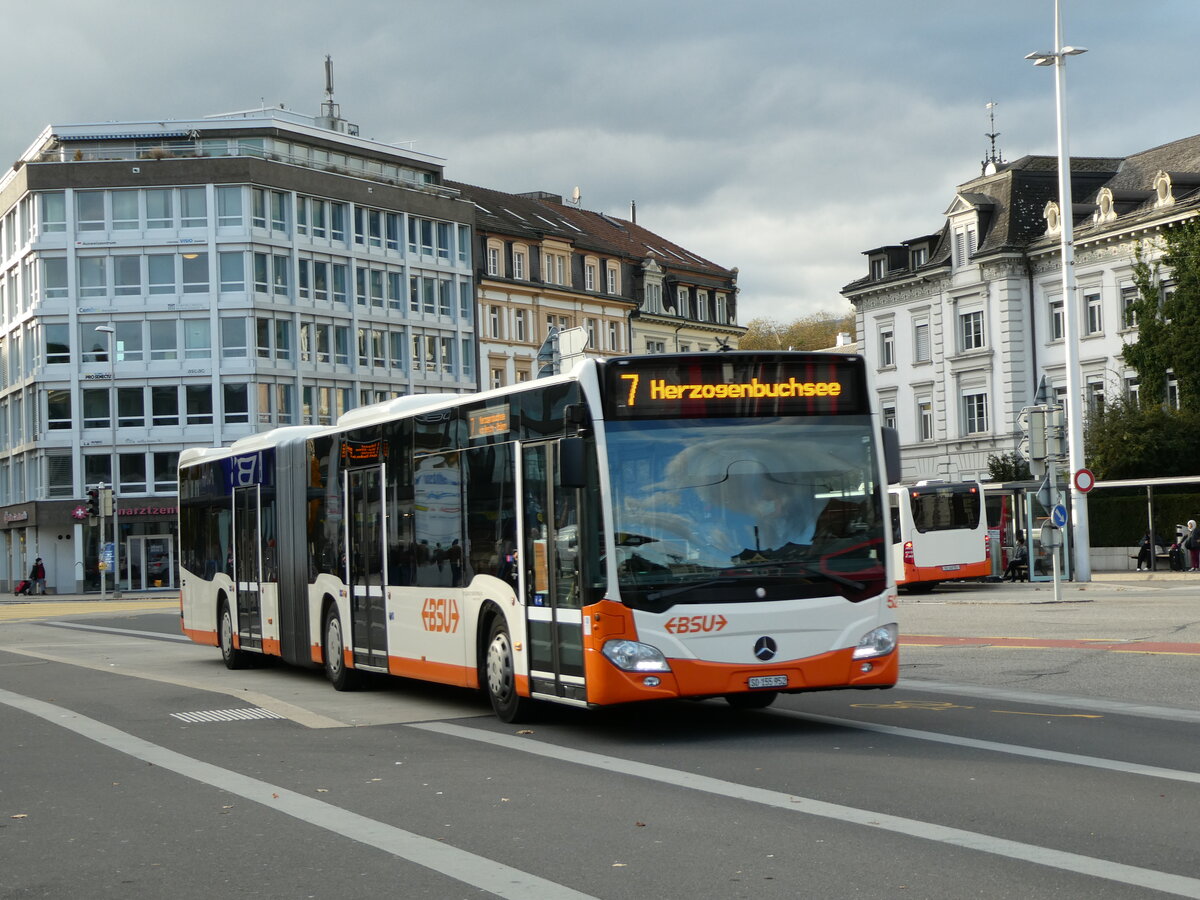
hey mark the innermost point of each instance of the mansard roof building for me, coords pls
(961, 324)
(542, 263)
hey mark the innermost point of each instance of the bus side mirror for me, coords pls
(891, 454)
(572, 462)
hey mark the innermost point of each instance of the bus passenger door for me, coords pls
(247, 565)
(550, 545)
(365, 563)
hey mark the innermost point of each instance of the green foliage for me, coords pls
(816, 332)
(1008, 467)
(1118, 518)
(1168, 323)
(1128, 440)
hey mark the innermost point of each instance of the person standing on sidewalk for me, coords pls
(37, 575)
(1191, 543)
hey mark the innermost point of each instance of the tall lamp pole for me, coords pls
(115, 460)
(1082, 569)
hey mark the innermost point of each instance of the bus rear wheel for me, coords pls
(230, 655)
(500, 676)
(757, 700)
(334, 646)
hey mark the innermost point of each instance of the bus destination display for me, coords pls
(718, 386)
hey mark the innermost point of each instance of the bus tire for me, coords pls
(756, 700)
(500, 675)
(230, 655)
(333, 645)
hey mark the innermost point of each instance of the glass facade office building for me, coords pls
(187, 283)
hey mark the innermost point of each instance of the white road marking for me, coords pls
(478, 871)
(1166, 882)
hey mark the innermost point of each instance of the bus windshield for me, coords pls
(734, 509)
(945, 507)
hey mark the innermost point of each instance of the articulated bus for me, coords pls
(939, 533)
(676, 526)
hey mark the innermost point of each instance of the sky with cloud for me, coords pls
(783, 137)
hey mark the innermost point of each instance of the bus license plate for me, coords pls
(768, 681)
(953, 568)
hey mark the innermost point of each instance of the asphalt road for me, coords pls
(1033, 749)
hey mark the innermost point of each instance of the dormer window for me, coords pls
(878, 268)
(1053, 222)
(920, 256)
(965, 244)
(1163, 193)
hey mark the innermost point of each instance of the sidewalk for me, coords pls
(171, 596)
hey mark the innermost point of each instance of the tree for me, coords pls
(1130, 440)
(1168, 322)
(1008, 467)
(815, 332)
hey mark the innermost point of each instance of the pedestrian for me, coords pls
(1191, 543)
(1018, 565)
(37, 575)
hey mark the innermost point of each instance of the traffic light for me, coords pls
(93, 504)
(106, 502)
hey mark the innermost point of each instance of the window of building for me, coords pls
(197, 339)
(722, 310)
(1093, 313)
(612, 278)
(57, 338)
(89, 211)
(1094, 392)
(53, 211)
(494, 322)
(166, 466)
(58, 409)
(161, 269)
(164, 340)
(970, 330)
(126, 215)
(925, 418)
(164, 405)
(127, 275)
(1172, 391)
(95, 408)
(1129, 296)
(229, 207)
(232, 266)
(889, 415)
(918, 257)
(1058, 326)
(887, 347)
(520, 263)
(195, 273)
(235, 404)
(160, 208)
(702, 306)
(589, 275)
(132, 468)
(193, 207)
(521, 325)
(878, 268)
(54, 277)
(975, 419)
(233, 339)
(93, 276)
(921, 346)
(131, 408)
(1131, 389)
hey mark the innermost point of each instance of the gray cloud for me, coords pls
(780, 136)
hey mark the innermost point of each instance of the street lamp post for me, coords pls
(1082, 540)
(114, 459)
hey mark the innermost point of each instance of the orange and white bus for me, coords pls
(698, 525)
(939, 533)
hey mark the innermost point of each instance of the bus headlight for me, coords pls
(877, 642)
(635, 657)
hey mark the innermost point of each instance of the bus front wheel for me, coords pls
(334, 645)
(501, 676)
(232, 657)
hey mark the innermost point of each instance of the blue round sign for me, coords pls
(1059, 516)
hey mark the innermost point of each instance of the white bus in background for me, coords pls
(939, 533)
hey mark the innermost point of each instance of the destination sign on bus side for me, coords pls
(716, 387)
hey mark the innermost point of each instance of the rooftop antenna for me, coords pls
(576, 197)
(995, 158)
(331, 113)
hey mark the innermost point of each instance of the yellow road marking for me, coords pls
(1013, 712)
